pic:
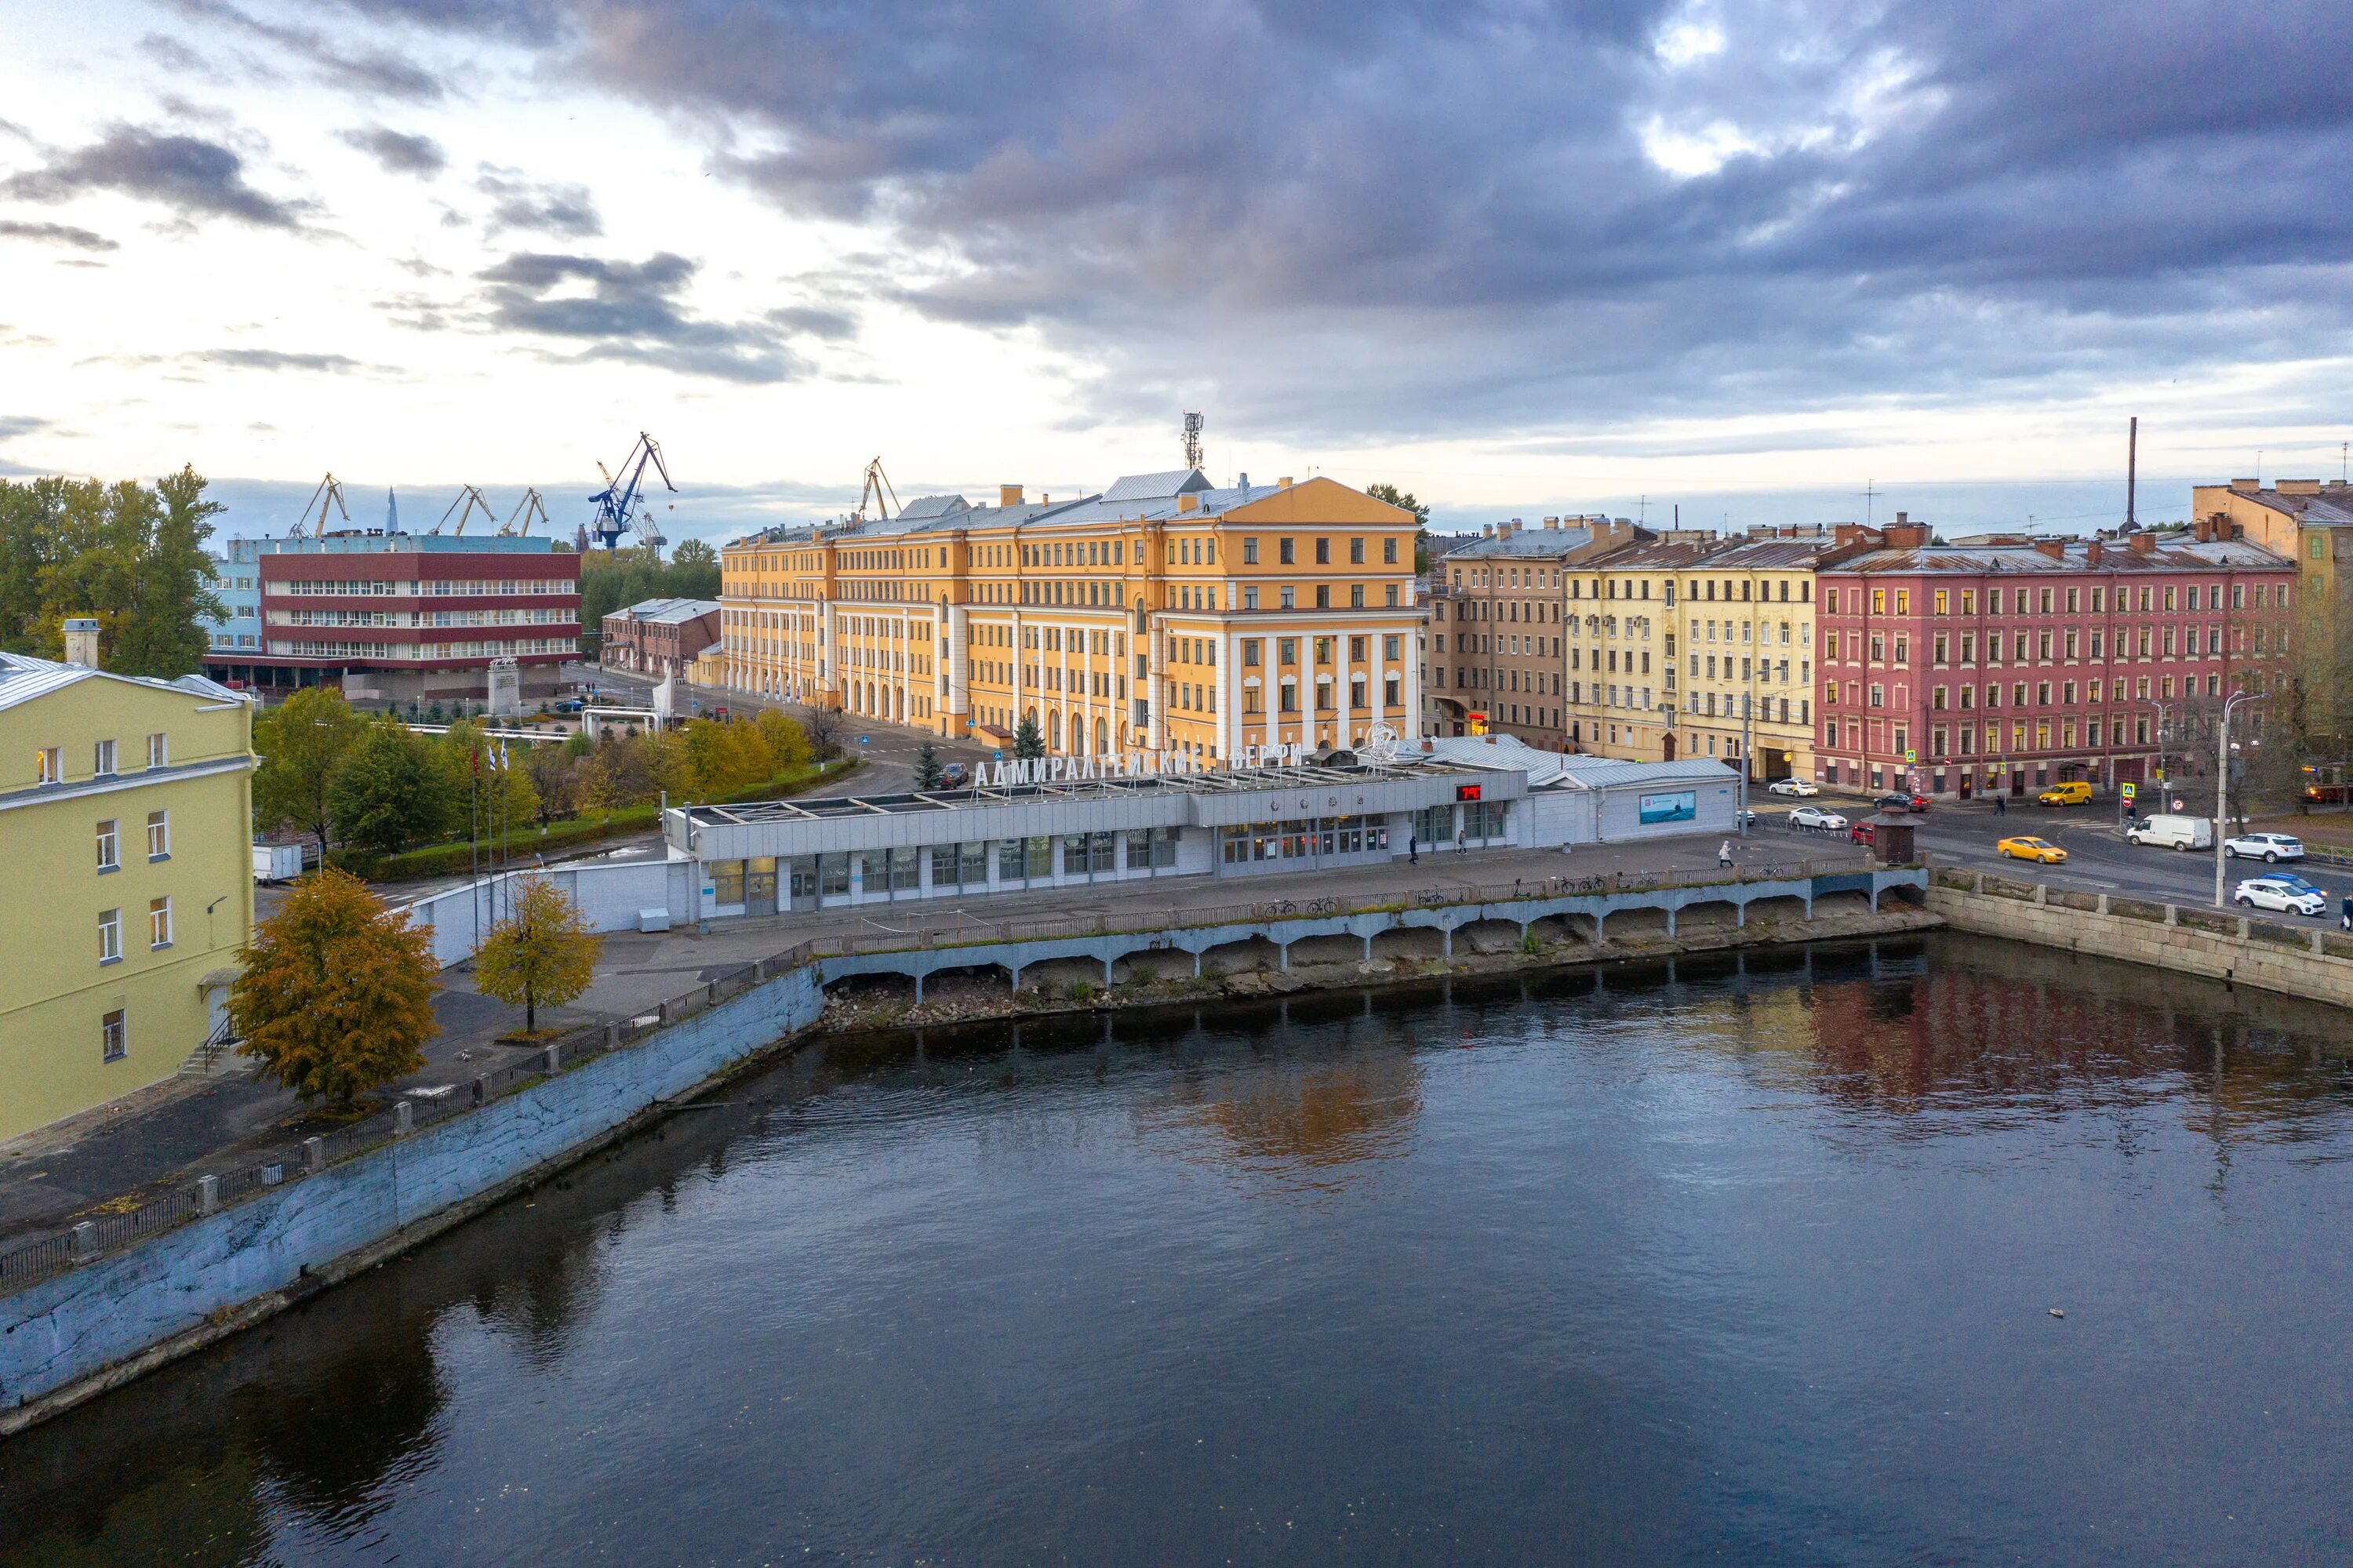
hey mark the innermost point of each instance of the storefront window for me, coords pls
(904, 876)
(726, 881)
(832, 875)
(1012, 862)
(1042, 857)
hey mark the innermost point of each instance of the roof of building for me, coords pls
(24, 677)
(1551, 769)
(1760, 554)
(1651, 556)
(2325, 505)
(2178, 554)
(1547, 543)
(671, 611)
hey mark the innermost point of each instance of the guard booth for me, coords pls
(1892, 836)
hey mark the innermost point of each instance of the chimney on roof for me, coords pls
(1187, 502)
(1486, 531)
(1241, 482)
(2054, 548)
(1905, 535)
(2296, 486)
(1284, 483)
(1846, 534)
(2093, 552)
(2143, 543)
(1009, 495)
(2246, 485)
(1551, 523)
(81, 643)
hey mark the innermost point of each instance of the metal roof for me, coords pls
(1527, 544)
(24, 678)
(1568, 769)
(1152, 486)
(672, 611)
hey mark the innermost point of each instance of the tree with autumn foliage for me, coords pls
(542, 953)
(337, 993)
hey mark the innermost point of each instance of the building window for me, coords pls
(1389, 552)
(110, 936)
(1250, 552)
(109, 851)
(102, 759)
(159, 835)
(1323, 593)
(1283, 553)
(1355, 595)
(1249, 599)
(48, 766)
(159, 922)
(159, 750)
(1323, 552)
(110, 1046)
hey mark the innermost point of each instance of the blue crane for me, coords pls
(618, 508)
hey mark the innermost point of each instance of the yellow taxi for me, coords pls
(2032, 849)
(2074, 792)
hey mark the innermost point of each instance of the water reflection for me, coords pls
(1632, 1193)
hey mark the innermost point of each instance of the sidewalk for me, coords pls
(173, 1131)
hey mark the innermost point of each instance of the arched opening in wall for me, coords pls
(1786, 910)
(1240, 958)
(1715, 915)
(1668, 744)
(1637, 924)
(1488, 937)
(1908, 897)
(1408, 942)
(1054, 729)
(978, 984)
(1153, 965)
(1558, 928)
(1103, 735)
(868, 999)
(1335, 949)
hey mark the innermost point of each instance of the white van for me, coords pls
(2172, 832)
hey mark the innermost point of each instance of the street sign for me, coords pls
(864, 740)
(1910, 755)
(2128, 789)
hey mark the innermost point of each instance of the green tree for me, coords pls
(336, 995)
(1404, 500)
(823, 726)
(383, 796)
(788, 743)
(172, 588)
(543, 953)
(693, 570)
(927, 767)
(130, 557)
(301, 742)
(1027, 742)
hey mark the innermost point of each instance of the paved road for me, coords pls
(2098, 859)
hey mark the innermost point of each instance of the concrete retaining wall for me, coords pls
(2306, 969)
(114, 1318)
(610, 896)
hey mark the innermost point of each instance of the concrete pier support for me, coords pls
(919, 989)
(1285, 949)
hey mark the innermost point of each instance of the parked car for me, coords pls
(2289, 895)
(1899, 801)
(2033, 849)
(1791, 787)
(568, 705)
(277, 863)
(2171, 831)
(2269, 848)
(2073, 793)
(952, 775)
(1817, 817)
(1861, 833)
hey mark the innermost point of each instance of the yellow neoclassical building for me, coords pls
(1693, 645)
(1166, 617)
(126, 825)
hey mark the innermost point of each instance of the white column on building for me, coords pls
(1412, 727)
(952, 689)
(1229, 695)
(1155, 729)
(1342, 673)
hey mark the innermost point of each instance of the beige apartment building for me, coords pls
(1165, 620)
(1498, 614)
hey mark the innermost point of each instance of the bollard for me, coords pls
(612, 1037)
(208, 1194)
(82, 1243)
(404, 1119)
(314, 1155)
(551, 1060)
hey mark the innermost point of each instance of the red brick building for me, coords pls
(2012, 664)
(659, 635)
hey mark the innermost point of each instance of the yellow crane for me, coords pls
(529, 508)
(876, 486)
(469, 498)
(329, 493)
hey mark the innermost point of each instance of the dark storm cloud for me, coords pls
(56, 233)
(568, 212)
(1416, 213)
(192, 176)
(371, 71)
(632, 312)
(278, 360)
(397, 151)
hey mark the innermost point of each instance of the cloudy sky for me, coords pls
(1750, 257)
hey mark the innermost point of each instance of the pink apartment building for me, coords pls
(2012, 663)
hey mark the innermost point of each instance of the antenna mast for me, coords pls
(2131, 472)
(1192, 439)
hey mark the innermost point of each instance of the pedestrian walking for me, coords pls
(2002, 805)
(1458, 841)
(2345, 912)
(1413, 849)
(1724, 852)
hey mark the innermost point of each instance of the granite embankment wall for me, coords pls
(2312, 961)
(78, 1333)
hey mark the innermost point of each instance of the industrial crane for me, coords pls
(876, 486)
(528, 509)
(468, 497)
(329, 493)
(619, 509)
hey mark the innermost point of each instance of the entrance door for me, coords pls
(804, 884)
(1670, 745)
(760, 885)
(2018, 781)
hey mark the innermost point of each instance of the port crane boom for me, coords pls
(620, 509)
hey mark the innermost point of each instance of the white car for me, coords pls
(2288, 894)
(1791, 787)
(2269, 848)
(1815, 817)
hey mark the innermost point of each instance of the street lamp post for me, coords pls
(2223, 780)
(2162, 781)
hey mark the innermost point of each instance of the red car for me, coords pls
(1861, 834)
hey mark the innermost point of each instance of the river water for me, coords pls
(1752, 1260)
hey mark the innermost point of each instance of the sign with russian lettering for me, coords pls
(1677, 806)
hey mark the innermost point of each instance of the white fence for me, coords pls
(611, 896)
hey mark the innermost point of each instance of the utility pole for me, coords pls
(2132, 471)
(2222, 781)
